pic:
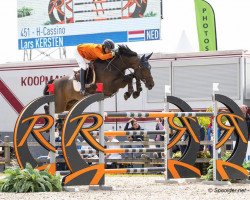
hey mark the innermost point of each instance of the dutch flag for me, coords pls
(135, 36)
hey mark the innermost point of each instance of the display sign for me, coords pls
(59, 23)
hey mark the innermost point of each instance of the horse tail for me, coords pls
(45, 90)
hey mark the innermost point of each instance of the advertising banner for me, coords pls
(60, 23)
(206, 26)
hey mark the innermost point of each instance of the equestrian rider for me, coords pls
(90, 52)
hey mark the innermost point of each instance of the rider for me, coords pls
(89, 52)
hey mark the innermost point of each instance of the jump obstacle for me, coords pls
(68, 15)
(83, 174)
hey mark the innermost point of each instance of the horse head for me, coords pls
(141, 66)
(143, 72)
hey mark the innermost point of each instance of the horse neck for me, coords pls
(124, 63)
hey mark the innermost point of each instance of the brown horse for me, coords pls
(112, 74)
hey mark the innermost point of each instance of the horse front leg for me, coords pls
(128, 80)
(130, 90)
(136, 93)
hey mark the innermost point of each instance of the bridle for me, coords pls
(110, 65)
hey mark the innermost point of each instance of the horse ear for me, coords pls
(143, 57)
(149, 56)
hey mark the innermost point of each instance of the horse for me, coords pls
(112, 73)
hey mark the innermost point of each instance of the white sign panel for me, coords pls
(58, 23)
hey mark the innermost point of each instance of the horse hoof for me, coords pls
(127, 95)
(136, 94)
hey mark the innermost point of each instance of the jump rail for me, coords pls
(129, 133)
(122, 150)
(126, 171)
(156, 114)
(102, 19)
(96, 2)
(97, 10)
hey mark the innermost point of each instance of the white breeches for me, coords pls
(82, 62)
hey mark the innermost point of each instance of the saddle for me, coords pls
(90, 76)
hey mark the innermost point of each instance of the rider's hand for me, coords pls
(132, 119)
(115, 53)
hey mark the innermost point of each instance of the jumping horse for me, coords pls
(112, 73)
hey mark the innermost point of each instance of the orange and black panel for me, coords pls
(25, 127)
(226, 169)
(177, 169)
(37, 132)
(185, 166)
(51, 168)
(80, 171)
(92, 175)
(86, 131)
(238, 128)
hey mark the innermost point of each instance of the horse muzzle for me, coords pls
(150, 85)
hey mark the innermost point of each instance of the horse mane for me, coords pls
(124, 50)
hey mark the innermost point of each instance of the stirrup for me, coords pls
(82, 91)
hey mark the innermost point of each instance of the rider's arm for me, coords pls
(103, 56)
(126, 127)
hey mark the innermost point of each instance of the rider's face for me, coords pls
(107, 50)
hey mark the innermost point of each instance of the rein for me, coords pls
(110, 65)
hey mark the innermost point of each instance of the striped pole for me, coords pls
(121, 151)
(167, 92)
(97, 10)
(52, 136)
(150, 114)
(130, 133)
(133, 150)
(95, 2)
(156, 114)
(215, 139)
(126, 171)
(134, 170)
(101, 135)
(102, 19)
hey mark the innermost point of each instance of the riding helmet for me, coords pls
(109, 44)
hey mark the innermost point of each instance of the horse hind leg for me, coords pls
(60, 102)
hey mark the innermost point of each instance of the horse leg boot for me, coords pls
(82, 80)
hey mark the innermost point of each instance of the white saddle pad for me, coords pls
(76, 86)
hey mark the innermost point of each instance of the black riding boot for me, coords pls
(82, 80)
